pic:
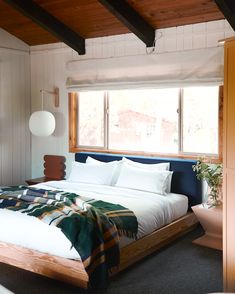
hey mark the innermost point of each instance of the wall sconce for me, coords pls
(42, 123)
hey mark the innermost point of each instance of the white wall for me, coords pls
(15, 149)
(48, 69)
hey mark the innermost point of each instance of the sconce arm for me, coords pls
(55, 93)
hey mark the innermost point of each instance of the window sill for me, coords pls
(209, 158)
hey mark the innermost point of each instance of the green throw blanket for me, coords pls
(92, 226)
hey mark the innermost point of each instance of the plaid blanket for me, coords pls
(92, 226)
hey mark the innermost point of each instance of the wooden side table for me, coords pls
(211, 221)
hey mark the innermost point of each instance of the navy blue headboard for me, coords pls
(184, 179)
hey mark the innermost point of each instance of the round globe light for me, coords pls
(42, 123)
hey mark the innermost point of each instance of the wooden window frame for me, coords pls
(73, 133)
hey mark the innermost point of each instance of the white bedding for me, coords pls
(152, 211)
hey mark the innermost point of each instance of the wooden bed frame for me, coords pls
(73, 272)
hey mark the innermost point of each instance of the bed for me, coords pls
(185, 191)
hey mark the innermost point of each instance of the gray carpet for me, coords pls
(180, 268)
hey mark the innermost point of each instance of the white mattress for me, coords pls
(152, 211)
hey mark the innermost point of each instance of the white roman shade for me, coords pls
(182, 68)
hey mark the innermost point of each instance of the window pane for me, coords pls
(200, 120)
(91, 119)
(144, 120)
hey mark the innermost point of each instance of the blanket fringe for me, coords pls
(124, 233)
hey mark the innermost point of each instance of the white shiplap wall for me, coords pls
(15, 147)
(48, 69)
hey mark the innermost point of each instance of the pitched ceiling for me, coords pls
(93, 18)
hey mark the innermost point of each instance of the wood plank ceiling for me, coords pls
(93, 18)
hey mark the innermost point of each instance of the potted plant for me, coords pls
(209, 213)
(213, 175)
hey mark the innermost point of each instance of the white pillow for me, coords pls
(116, 171)
(141, 179)
(151, 166)
(93, 160)
(92, 173)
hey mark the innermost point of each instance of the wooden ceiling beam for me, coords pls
(228, 10)
(51, 24)
(131, 19)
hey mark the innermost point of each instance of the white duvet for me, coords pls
(152, 211)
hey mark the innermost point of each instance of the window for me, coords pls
(144, 120)
(169, 121)
(91, 119)
(200, 120)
